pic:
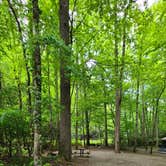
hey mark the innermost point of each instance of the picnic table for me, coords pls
(81, 152)
(162, 146)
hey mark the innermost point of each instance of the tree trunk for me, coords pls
(144, 132)
(117, 97)
(0, 80)
(137, 104)
(37, 85)
(19, 92)
(1, 89)
(86, 120)
(65, 100)
(10, 148)
(100, 136)
(155, 117)
(119, 72)
(50, 103)
(126, 128)
(112, 114)
(17, 79)
(146, 128)
(76, 93)
(105, 115)
(157, 130)
(105, 125)
(117, 123)
(87, 128)
(83, 129)
(19, 95)
(136, 119)
(57, 107)
(77, 115)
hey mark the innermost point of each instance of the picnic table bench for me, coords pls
(81, 152)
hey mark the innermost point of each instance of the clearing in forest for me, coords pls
(109, 158)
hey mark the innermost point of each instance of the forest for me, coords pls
(80, 73)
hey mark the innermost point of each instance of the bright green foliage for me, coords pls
(92, 67)
(15, 130)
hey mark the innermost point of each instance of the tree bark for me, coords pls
(1, 89)
(144, 126)
(50, 103)
(37, 84)
(56, 73)
(105, 115)
(65, 100)
(119, 72)
(19, 94)
(77, 90)
(155, 117)
(105, 125)
(77, 115)
(87, 128)
(137, 104)
(86, 120)
(117, 92)
(136, 119)
(83, 128)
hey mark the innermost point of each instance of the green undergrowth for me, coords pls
(92, 141)
(27, 161)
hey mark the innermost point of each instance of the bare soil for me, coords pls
(103, 157)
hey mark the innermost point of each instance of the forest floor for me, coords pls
(104, 157)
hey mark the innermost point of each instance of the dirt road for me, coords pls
(109, 158)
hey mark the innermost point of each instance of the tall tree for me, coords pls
(37, 83)
(137, 103)
(77, 115)
(119, 69)
(155, 115)
(0, 89)
(65, 100)
(117, 90)
(144, 119)
(105, 114)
